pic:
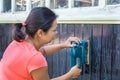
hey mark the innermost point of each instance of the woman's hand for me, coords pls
(75, 71)
(67, 43)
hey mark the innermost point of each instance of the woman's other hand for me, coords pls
(75, 71)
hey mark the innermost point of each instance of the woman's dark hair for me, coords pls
(39, 18)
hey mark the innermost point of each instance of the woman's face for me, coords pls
(50, 35)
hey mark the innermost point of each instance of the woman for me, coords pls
(24, 57)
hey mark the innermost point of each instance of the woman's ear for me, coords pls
(40, 32)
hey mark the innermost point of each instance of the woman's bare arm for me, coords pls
(50, 49)
(42, 74)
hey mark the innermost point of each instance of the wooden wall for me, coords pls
(104, 54)
(5, 37)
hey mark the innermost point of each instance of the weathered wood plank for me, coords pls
(63, 52)
(107, 37)
(96, 52)
(50, 65)
(5, 37)
(116, 54)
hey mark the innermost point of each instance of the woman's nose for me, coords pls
(56, 32)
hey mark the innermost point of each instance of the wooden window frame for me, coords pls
(102, 13)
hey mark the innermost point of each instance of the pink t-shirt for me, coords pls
(19, 59)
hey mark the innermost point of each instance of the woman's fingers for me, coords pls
(74, 39)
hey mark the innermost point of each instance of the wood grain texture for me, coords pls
(104, 50)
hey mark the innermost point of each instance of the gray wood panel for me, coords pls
(96, 51)
(104, 53)
(107, 38)
(5, 37)
(116, 54)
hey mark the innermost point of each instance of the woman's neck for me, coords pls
(34, 42)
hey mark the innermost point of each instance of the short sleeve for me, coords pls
(36, 62)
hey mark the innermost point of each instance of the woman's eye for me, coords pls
(54, 30)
